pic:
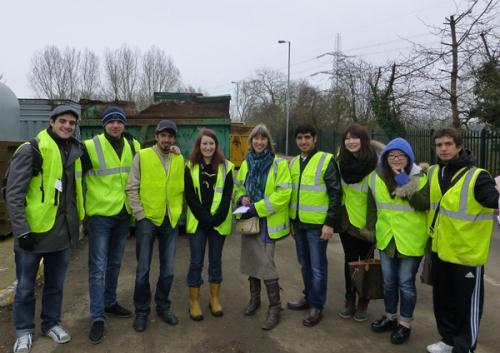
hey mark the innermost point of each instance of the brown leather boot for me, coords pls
(215, 307)
(195, 312)
(274, 311)
(254, 302)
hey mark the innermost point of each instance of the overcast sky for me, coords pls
(219, 41)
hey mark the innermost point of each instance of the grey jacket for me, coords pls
(65, 230)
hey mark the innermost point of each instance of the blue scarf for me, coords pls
(258, 169)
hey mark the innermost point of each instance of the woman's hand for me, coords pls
(245, 201)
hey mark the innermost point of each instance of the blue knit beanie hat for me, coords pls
(113, 113)
(398, 144)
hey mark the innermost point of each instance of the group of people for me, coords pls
(373, 196)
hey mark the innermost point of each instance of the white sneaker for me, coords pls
(58, 334)
(23, 344)
(439, 347)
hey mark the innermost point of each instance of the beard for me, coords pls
(165, 147)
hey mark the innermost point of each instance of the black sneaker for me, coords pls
(96, 332)
(118, 310)
(140, 323)
(169, 317)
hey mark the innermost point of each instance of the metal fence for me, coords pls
(484, 144)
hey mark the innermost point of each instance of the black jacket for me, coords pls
(201, 209)
(333, 189)
(66, 227)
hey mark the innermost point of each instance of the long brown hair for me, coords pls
(196, 155)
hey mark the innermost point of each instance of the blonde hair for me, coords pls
(262, 130)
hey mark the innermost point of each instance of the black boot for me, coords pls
(274, 311)
(254, 302)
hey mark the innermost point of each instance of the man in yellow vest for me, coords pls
(106, 165)
(462, 199)
(155, 190)
(315, 212)
(45, 204)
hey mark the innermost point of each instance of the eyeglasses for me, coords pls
(399, 157)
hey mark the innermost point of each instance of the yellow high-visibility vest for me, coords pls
(161, 190)
(107, 180)
(42, 198)
(223, 170)
(309, 197)
(463, 227)
(397, 219)
(275, 204)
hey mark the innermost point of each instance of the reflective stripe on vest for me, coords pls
(161, 192)
(275, 204)
(397, 219)
(191, 222)
(463, 228)
(309, 198)
(107, 180)
(355, 198)
(42, 198)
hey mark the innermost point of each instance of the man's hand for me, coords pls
(26, 242)
(175, 149)
(326, 232)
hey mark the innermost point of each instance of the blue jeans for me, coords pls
(55, 265)
(145, 233)
(311, 253)
(107, 240)
(399, 282)
(197, 244)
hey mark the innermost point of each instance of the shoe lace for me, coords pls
(24, 341)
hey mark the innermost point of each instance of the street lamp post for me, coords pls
(237, 83)
(287, 96)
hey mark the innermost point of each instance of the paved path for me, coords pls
(237, 333)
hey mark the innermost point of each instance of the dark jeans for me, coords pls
(311, 253)
(197, 244)
(145, 234)
(107, 240)
(55, 265)
(354, 249)
(399, 282)
(458, 295)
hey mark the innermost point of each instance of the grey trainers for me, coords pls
(58, 334)
(347, 311)
(361, 313)
(23, 344)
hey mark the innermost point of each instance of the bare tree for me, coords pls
(89, 74)
(121, 72)
(449, 72)
(159, 74)
(55, 74)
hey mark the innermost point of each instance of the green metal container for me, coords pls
(187, 130)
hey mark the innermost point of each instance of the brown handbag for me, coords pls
(366, 277)
(250, 226)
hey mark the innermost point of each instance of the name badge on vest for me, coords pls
(58, 185)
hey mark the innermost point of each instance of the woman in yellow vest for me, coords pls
(357, 159)
(396, 211)
(263, 184)
(208, 182)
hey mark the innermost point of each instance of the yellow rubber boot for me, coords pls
(195, 312)
(215, 307)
